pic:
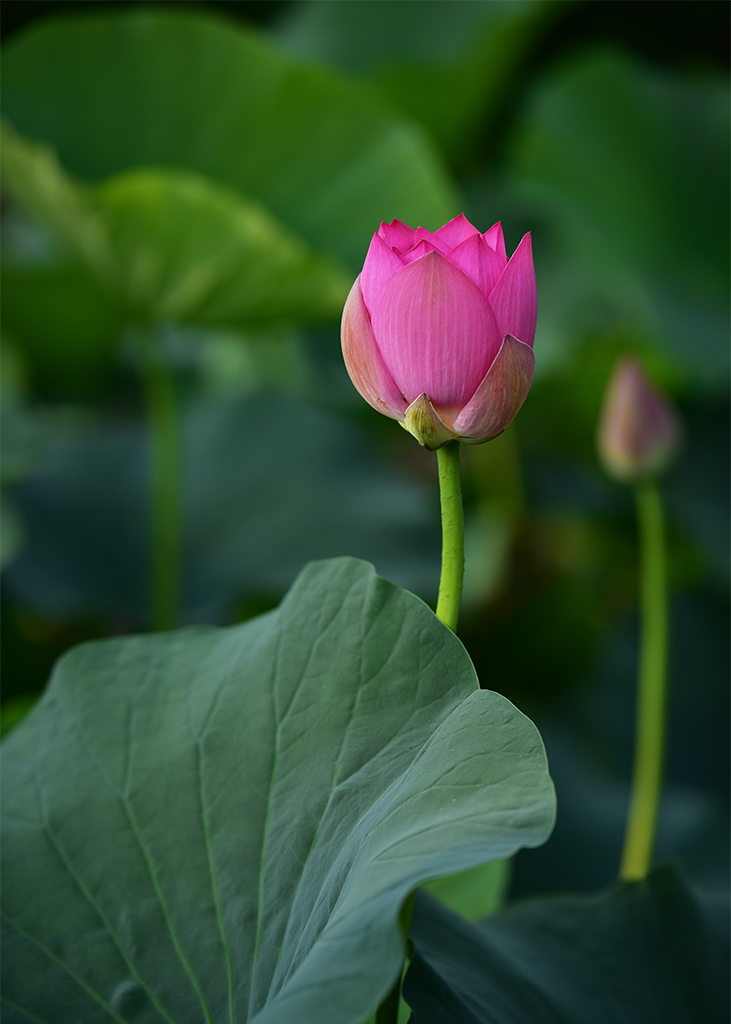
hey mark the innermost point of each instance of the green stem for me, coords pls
(651, 689)
(448, 602)
(452, 576)
(165, 484)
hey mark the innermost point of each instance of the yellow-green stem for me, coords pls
(452, 575)
(165, 472)
(651, 687)
(448, 603)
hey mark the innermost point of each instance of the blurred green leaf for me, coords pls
(33, 178)
(697, 489)
(650, 952)
(22, 440)
(11, 532)
(476, 893)
(269, 484)
(626, 169)
(446, 65)
(179, 88)
(66, 323)
(222, 823)
(19, 455)
(164, 246)
(58, 270)
(190, 251)
(272, 359)
(14, 710)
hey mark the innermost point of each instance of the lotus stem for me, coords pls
(452, 575)
(651, 689)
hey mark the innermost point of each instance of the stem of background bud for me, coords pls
(452, 576)
(165, 473)
(651, 687)
(448, 603)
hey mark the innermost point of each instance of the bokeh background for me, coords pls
(204, 178)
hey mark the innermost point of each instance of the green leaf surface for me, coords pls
(181, 89)
(190, 251)
(57, 273)
(449, 66)
(609, 156)
(649, 952)
(66, 324)
(11, 533)
(34, 179)
(164, 246)
(223, 824)
(253, 513)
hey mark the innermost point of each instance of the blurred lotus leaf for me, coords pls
(628, 169)
(182, 89)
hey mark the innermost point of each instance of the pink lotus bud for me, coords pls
(638, 429)
(438, 330)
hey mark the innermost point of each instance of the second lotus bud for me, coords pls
(638, 430)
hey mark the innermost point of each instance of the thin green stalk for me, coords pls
(651, 687)
(165, 467)
(448, 603)
(452, 576)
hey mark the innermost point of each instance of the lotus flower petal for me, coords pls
(364, 362)
(422, 247)
(436, 332)
(397, 235)
(455, 231)
(381, 262)
(422, 235)
(496, 240)
(479, 262)
(513, 299)
(499, 397)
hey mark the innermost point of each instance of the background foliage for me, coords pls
(211, 174)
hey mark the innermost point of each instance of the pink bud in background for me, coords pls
(438, 330)
(638, 429)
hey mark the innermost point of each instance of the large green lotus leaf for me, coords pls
(609, 155)
(190, 251)
(34, 179)
(223, 824)
(177, 88)
(59, 298)
(446, 65)
(650, 952)
(168, 245)
(253, 513)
